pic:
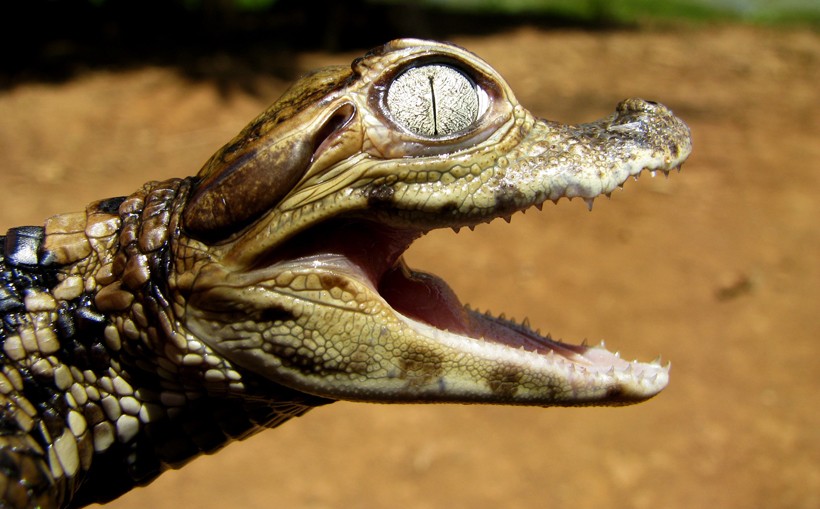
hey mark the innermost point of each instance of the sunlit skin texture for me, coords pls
(155, 327)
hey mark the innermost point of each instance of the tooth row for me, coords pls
(589, 201)
(522, 326)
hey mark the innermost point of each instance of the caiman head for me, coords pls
(290, 245)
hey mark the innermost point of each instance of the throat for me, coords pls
(424, 297)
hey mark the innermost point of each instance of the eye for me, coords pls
(435, 100)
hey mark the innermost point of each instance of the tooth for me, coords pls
(608, 195)
(653, 173)
(617, 355)
(602, 345)
(589, 202)
(657, 361)
(508, 219)
(526, 323)
(502, 316)
(471, 227)
(585, 342)
(539, 206)
(455, 228)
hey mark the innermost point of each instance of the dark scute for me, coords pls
(89, 318)
(9, 299)
(22, 244)
(66, 328)
(110, 205)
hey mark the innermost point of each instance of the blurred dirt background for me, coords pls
(717, 268)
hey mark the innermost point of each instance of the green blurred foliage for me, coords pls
(620, 11)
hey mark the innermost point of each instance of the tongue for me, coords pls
(424, 297)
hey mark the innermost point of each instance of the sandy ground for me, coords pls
(716, 268)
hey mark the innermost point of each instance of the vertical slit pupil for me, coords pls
(433, 96)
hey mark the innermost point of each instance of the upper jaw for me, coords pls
(533, 160)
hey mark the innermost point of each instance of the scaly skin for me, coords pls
(155, 327)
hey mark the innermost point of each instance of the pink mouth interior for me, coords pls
(375, 252)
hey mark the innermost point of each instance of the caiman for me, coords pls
(151, 328)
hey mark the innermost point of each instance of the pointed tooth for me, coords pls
(653, 173)
(635, 178)
(611, 371)
(657, 361)
(471, 227)
(508, 219)
(502, 316)
(455, 228)
(617, 355)
(585, 342)
(526, 323)
(608, 195)
(589, 202)
(539, 206)
(602, 344)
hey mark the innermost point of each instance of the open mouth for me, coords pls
(373, 254)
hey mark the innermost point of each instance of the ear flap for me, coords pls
(250, 175)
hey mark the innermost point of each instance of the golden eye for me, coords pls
(434, 100)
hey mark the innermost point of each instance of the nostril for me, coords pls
(637, 105)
